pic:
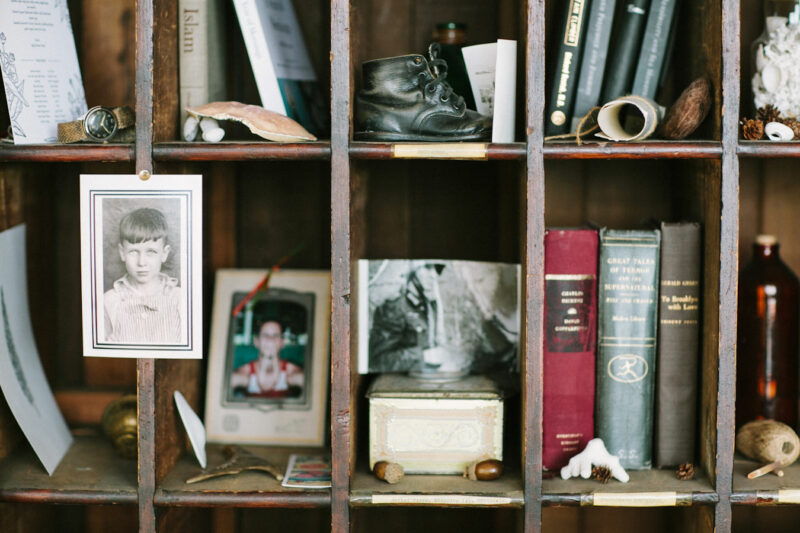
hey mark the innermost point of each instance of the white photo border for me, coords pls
(258, 422)
(187, 189)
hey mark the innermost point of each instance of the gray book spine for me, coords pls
(627, 304)
(654, 48)
(590, 79)
(678, 343)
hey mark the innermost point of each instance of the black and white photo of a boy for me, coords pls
(144, 305)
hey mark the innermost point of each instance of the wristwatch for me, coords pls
(100, 125)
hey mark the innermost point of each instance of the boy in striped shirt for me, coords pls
(143, 306)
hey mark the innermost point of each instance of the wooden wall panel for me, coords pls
(781, 217)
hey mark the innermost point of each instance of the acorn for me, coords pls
(485, 470)
(388, 472)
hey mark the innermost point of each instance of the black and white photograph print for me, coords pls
(268, 358)
(437, 318)
(141, 261)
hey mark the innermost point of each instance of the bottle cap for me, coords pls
(451, 26)
(766, 240)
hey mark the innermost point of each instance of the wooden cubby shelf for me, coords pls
(248, 489)
(646, 488)
(73, 153)
(634, 150)
(240, 151)
(90, 473)
(768, 149)
(765, 490)
(490, 151)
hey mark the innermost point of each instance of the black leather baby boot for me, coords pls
(406, 98)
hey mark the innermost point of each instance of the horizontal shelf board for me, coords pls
(248, 489)
(66, 153)
(241, 151)
(439, 491)
(431, 150)
(767, 489)
(646, 488)
(633, 150)
(768, 149)
(90, 473)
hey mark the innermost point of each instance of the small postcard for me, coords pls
(308, 472)
(141, 266)
(41, 74)
(22, 377)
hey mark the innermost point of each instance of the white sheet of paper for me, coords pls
(480, 60)
(505, 91)
(22, 377)
(154, 309)
(40, 68)
(194, 427)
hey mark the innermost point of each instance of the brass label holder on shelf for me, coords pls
(441, 151)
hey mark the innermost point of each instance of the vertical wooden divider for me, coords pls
(533, 268)
(342, 394)
(144, 161)
(729, 261)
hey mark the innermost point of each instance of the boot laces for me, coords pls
(439, 70)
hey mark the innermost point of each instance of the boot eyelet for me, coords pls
(444, 98)
(417, 60)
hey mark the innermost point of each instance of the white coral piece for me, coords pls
(595, 454)
(777, 81)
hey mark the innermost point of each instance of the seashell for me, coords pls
(486, 470)
(771, 77)
(190, 128)
(212, 133)
(262, 122)
(778, 132)
(766, 441)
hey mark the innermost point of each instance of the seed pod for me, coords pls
(766, 441)
(485, 470)
(388, 472)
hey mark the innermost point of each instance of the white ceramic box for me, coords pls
(434, 428)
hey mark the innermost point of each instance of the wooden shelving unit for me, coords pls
(348, 200)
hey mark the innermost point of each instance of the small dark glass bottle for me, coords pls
(452, 36)
(767, 347)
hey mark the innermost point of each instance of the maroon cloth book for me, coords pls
(570, 336)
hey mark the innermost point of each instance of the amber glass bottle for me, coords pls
(767, 348)
(452, 36)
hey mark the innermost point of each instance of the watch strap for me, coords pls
(73, 132)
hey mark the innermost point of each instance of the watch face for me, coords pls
(100, 124)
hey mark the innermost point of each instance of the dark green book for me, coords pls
(564, 78)
(654, 50)
(626, 343)
(621, 63)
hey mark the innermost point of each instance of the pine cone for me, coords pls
(601, 473)
(752, 129)
(685, 472)
(794, 124)
(768, 113)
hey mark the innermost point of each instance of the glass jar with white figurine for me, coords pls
(776, 62)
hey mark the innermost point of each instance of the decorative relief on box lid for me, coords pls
(476, 387)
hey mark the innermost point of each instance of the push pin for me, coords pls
(144, 175)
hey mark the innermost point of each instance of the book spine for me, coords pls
(193, 54)
(625, 50)
(255, 41)
(627, 305)
(570, 318)
(678, 343)
(654, 48)
(568, 58)
(590, 79)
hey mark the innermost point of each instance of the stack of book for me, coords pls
(621, 343)
(590, 69)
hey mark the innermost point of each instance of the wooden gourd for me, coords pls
(766, 441)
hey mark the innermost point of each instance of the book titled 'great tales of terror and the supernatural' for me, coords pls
(565, 66)
(570, 319)
(678, 343)
(627, 304)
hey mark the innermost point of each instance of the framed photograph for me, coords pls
(141, 266)
(268, 359)
(437, 318)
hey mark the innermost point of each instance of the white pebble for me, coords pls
(778, 132)
(212, 133)
(190, 128)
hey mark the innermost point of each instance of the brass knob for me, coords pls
(120, 424)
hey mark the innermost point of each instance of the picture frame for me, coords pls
(141, 265)
(268, 364)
